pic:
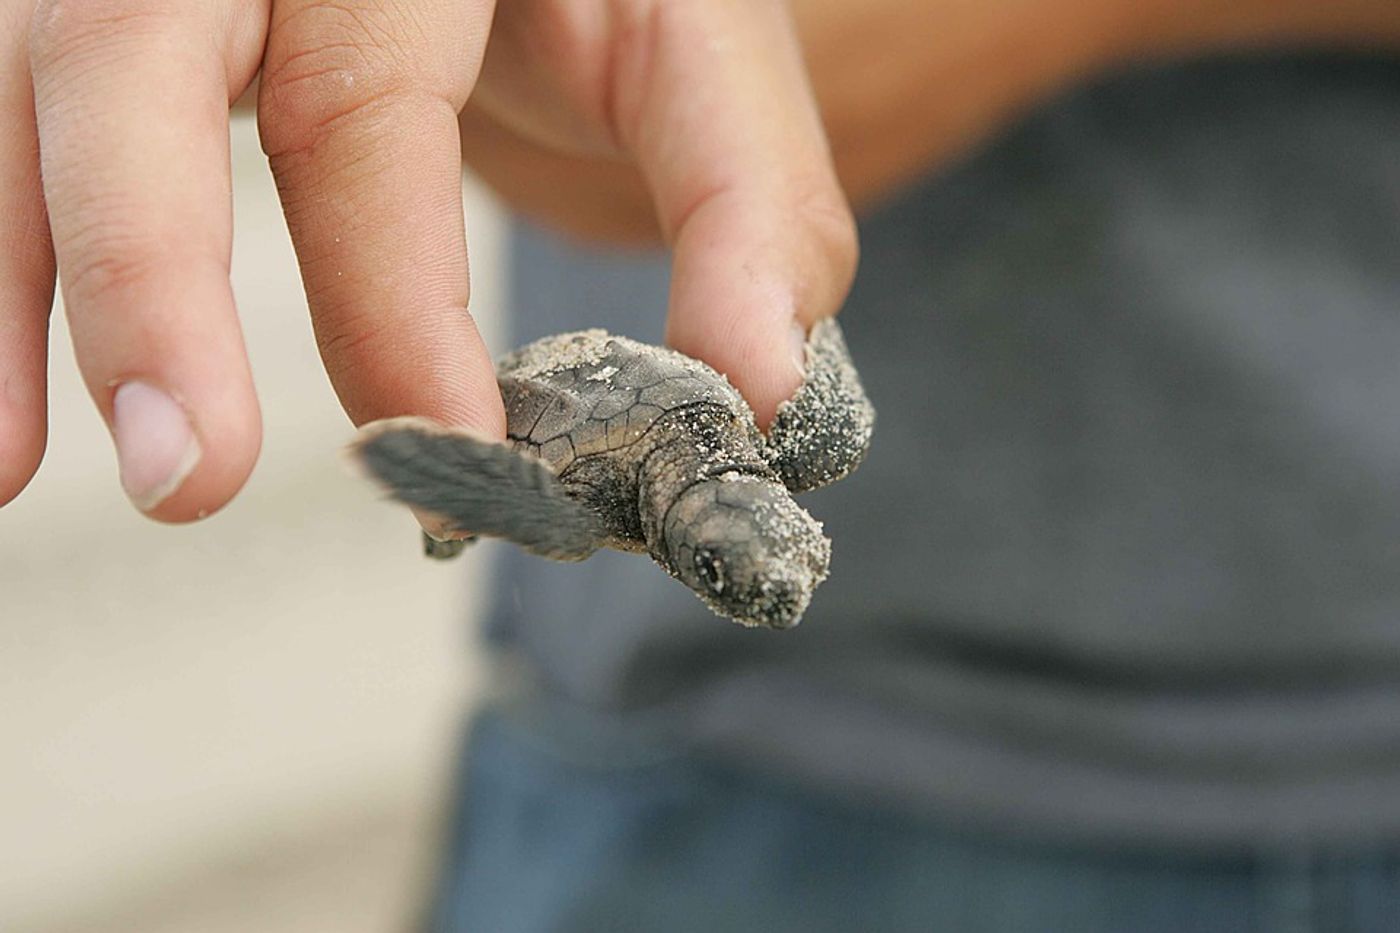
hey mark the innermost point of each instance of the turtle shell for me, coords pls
(590, 394)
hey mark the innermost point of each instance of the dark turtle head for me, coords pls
(747, 549)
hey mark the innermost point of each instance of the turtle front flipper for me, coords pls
(478, 486)
(822, 433)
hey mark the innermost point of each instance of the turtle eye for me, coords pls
(711, 569)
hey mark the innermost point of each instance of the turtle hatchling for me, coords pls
(615, 443)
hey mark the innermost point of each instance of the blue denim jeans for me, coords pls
(678, 844)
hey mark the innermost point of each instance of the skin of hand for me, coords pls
(114, 171)
(905, 85)
(629, 120)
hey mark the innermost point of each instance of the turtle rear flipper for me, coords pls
(477, 486)
(445, 549)
(822, 432)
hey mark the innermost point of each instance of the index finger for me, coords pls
(358, 115)
(713, 100)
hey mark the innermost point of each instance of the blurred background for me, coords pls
(245, 724)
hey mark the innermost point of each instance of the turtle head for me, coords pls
(747, 549)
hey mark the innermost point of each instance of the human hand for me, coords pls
(693, 121)
(358, 113)
(903, 86)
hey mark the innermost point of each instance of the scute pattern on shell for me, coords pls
(602, 392)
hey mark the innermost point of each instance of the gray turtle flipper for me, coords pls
(478, 486)
(822, 433)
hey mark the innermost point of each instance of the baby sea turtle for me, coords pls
(615, 443)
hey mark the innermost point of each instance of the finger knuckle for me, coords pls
(329, 62)
(62, 31)
(105, 266)
(347, 344)
(342, 347)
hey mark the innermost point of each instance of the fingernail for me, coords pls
(797, 341)
(156, 446)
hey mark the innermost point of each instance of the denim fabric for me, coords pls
(681, 844)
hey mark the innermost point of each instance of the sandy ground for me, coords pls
(246, 724)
